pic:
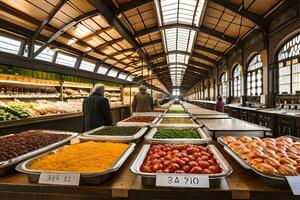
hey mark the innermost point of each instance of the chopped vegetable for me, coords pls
(176, 120)
(140, 119)
(176, 133)
(117, 131)
(176, 111)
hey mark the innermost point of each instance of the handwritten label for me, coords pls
(59, 178)
(182, 180)
(294, 182)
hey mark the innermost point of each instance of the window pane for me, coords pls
(122, 76)
(102, 70)
(46, 54)
(86, 65)
(9, 45)
(64, 59)
(113, 73)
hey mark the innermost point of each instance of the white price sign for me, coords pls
(294, 182)
(182, 180)
(59, 178)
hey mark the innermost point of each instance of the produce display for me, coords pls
(176, 111)
(183, 158)
(25, 142)
(167, 133)
(84, 157)
(159, 110)
(117, 131)
(280, 156)
(140, 119)
(176, 120)
(14, 110)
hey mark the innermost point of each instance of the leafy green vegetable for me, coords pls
(118, 131)
(168, 133)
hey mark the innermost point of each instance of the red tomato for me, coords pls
(191, 158)
(197, 154)
(193, 164)
(204, 158)
(179, 171)
(196, 170)
(168, 157)
(167, 163)
(185, 159)
(206, 171)
(181, 163)
(157, 167)
(166, 170)
(154, 156)
(155, 161)
(175, 160)
(190, 150)
(162, 154)
(175, 151)
(201, 148)
(212, 161)
(205, 154)
(203, 164)
(214, 169)
(174, 167)
(186, 168)
(146, 169)
(159, 171)
(147, 162)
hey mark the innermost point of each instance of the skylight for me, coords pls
(179, 39)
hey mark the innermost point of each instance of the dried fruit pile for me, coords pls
(183, 158)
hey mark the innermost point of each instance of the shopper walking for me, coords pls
(96, 109)
(142, 101)
(220, 104)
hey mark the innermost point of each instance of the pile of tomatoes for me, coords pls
(140, 119)
(181, 158)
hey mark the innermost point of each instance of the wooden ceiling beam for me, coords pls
(208, 50)
(131, 5)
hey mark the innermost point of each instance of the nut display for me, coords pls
(117, 131)
(140, 119)
(275, 156)
(85, 157)
(176, 120)
(168, 133)
(25, 142)
(183, 158)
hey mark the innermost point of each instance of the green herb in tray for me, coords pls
(167, 133)
(176, 111)
(118, 131)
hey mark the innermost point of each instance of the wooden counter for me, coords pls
(241, 184)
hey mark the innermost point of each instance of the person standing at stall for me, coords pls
(220, 104)
(142, 101)
(96, 109)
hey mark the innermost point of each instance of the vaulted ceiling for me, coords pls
(178, 42)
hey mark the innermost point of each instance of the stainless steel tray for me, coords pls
(147, 114)
(95, 178)
(182, 115)
(204, 138)
(139, 124)
(270, 180)
(193, 124)
(114, 138)
(150, 178)
(9, 165)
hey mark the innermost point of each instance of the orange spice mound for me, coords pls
(83, 157)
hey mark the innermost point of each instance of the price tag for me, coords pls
(182, 180)
(59, 178)
(294, 182)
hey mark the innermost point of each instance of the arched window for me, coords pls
(223, 81)
(254, 76)
(289, 67)
(236, 82)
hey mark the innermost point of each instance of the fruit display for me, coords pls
(159, 110)
(117, 131)
(140, 119)
(176, 120)
(176, 111)
(182, 158)
(84, 157)
(274, 156)
(14, 110)
(168, 133)
(25, 142)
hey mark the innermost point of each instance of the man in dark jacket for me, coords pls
(142, 101)
(96, 109)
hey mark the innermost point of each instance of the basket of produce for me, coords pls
(94, 161)
(176, 122)
(272, 159)
(15, 148)
(180, 158)
(146, 114)
(138, 121)
(177, 136)
(116, 133)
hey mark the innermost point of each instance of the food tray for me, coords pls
(141, 124)
(183, 115)
(193, 124)
(147, 114)
(113, 138)
(9, 165)
(150, 178)
(85, 178)
(203, 138)
(270, 180)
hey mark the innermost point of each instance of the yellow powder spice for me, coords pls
(83, 157)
